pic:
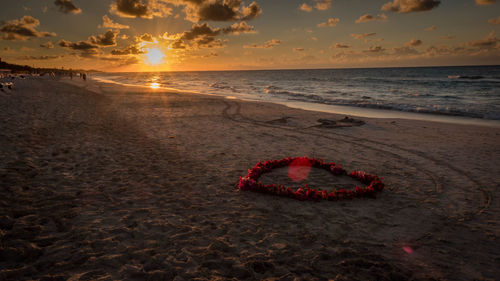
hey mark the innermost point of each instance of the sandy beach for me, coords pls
(103, 182)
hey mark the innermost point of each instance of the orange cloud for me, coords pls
(368, 17)
(332, 22)
(108, 23)
(267, 45)
(485, 2)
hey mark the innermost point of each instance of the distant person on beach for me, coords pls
(84, 77)
(71, 75)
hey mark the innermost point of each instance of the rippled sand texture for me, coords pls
(129, 184)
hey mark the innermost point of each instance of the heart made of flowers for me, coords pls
(251, 181)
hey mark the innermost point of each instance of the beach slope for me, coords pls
(101, 182)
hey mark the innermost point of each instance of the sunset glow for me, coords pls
(154, 56)
(140, 35)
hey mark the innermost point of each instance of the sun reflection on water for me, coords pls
(154, 85)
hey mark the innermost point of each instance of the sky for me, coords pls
(184, 35)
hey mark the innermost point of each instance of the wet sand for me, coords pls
(101, 182)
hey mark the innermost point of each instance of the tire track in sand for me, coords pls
(232, 111)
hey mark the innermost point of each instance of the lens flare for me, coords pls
(299, 169)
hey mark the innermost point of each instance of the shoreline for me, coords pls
(107, 182)
(340, 109)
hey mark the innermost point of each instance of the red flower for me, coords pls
(250, 182)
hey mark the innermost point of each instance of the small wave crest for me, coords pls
(223, 86)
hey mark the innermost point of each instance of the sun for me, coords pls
(155, 56)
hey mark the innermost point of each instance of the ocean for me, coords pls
(467, 91)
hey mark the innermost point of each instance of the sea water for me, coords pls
(467, 91)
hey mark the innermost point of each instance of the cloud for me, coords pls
(200, 30)
(67, 7)
(133, 49)
(48, 45)
(485, 2)
(340, 46)
(39, 57)
(374, 49)
(332, 22)
(323, 4)
(23, 29)
(204, 36)
(368, 17)
(414, 43)
(494, 21)
(236, 28)
(489, 41)
(131, 9)
(78, 46)
(106, 39)
(140, 9)
(443, 50)
(204, 10)
(320, 5)
(108, 23)
(209, 55)
(404, 51)
(145, 37)
(407, 6)
(361, 36)
(432, 28)
(306, 8)
(267, 45)
(200, 36)
(195, 10)
(298, 49)
(219, 10)
(252, 11)
(93, 43)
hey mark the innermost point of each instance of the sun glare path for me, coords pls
(155, 85)
(155, 56)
